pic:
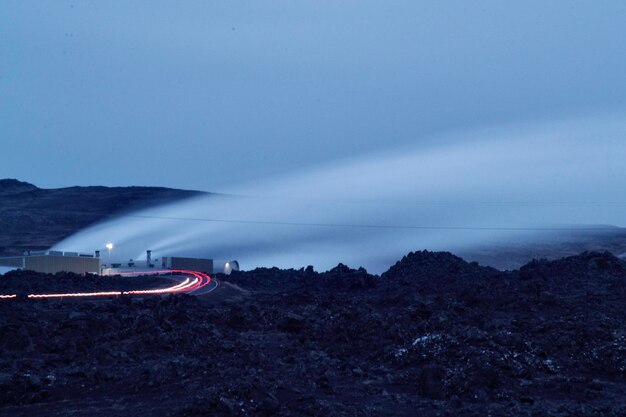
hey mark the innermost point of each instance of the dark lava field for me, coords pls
(433, 336)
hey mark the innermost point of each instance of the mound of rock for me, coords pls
(425, 265)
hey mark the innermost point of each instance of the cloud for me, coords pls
(501, 183)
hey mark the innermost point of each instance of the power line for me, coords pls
(379, 226)
(437, 202)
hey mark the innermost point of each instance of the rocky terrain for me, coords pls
(22, 283)
(36, 218)
(432, 336)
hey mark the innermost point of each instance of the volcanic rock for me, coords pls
(432, 336)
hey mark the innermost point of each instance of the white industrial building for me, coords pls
(51, 262)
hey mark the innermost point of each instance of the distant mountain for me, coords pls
(36, 218)
(514, 253)
(13, 186)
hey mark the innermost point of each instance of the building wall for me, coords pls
(14, 262)
(192, 264)
(51, 264)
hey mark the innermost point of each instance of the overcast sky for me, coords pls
(210, 94)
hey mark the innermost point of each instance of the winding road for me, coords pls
(191, 282)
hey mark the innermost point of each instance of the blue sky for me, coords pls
(207, 95)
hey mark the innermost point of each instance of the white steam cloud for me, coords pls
(472, 188)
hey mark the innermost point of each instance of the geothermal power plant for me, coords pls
(51, 262)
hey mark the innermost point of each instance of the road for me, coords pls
(188, 282)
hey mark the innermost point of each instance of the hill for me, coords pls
(37, 218)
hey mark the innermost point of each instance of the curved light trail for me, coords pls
(75, 294)
(193, 282)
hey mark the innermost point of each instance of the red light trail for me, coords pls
(193, 281)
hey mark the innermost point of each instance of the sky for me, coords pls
(212, 94)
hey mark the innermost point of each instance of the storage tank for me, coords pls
(225, 267)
